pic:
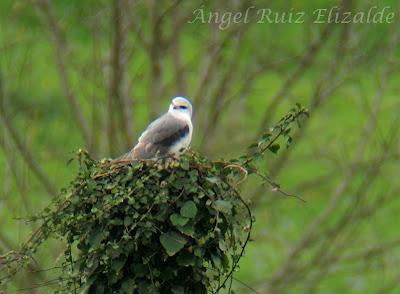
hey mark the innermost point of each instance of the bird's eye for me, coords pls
(180, 107)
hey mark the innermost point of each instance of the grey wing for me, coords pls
(160, 136)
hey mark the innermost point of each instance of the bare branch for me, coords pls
(61, 56)
(117, 100)
(329, 82)
(18, 176)
(305, 62)
(287, 86)
(21, 147)
(221, 93)
(155, 56)
(177, 57)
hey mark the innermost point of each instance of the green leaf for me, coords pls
(178, 220)
(222, 245)
(185, 165)
(117, 221)
(128, 176)
(172, 242)
(274, 148)
(289, 141)
(127, 221)
(212, 180)
(257, 157)
(199, 252)
(264, 139)
(187, 229)
(139, 270)
(252, 146)
(186, 259)
(117, 264)
(189, 209)
(126, 286)
(225, 261)
(223, 206)
(95, 238)
(216, 260)
(178, 290)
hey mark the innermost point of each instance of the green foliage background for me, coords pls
(339, 152)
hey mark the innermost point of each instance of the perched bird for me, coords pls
(169, 135)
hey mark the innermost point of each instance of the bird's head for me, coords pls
(181, 105)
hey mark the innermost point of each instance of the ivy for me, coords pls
(172, 242)
(189, 209)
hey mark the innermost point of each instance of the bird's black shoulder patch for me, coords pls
(175, 137)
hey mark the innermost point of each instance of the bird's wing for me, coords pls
(160, 135)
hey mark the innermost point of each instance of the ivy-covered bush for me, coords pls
(163, 226)
(149, 227)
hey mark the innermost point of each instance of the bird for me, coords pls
(167, 136)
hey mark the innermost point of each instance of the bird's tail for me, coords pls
(126, 157)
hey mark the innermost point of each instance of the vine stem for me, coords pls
(235, 263)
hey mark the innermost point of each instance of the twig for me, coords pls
(154, 54)
(17, 174)
(60, 51)
(21, 147)
(118, 79)
(287, 86)
(242, 169)
(219, 99)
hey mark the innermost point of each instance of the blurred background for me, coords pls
(92, 75)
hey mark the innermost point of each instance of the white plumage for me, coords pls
(169, 135)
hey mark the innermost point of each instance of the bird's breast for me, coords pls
(183, 143)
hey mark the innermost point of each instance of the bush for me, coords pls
(150, 227)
